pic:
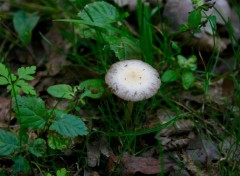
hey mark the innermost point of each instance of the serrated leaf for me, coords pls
(31, 112)
(61, 91)
(92, 88)
(16, 89)
(3, 70)
(3, 81)
(169, 76)
(124, 47)
(20, 165)
(8, 143)
(38, 147)
(68, 125)
(24, 24)
(26, 88)
(26, 72)
(187, 79)
(99, 13)
(6, 76)
(58, 142)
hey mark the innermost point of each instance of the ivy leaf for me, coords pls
(24, 24)
(68, 125)
(31, 112)
(56, 141)
(99, 13)
(169, 76)
(8, 143)
(38, 147)
(26, 72)
(61, 91)
(26, 88)
(187, 79)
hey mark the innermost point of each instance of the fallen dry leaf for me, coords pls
(180, 126)
(146, 165)
(95, 149)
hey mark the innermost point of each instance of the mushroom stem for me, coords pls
(129, 113)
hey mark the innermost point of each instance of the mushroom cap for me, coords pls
(133, 80)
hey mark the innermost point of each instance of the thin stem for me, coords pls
(129, 113)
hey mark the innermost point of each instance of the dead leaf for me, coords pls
(57, 59)
(133, 164)
(179, 127)
(175, 142)
(192, 167)
(95, 149)
(203, 151)
(90, 173)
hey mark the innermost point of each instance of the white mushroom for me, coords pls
(133, 80)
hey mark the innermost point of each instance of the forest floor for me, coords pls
(58, 117)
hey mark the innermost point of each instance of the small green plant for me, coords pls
(17, 83)
(55, 127)
(52, 128)
(59, 172)
(100, 21)
(183, 70)
(196, 20)
(92, 88)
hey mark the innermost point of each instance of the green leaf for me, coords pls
(197, 2)
(26, 72)
(194, 18)
(169, 76)
(38, 147)
(3, 70)
(8, 143)
(192, 63)
(58, 142)
(92, 88)
(124, 47)
(62, 172)
(189, 63)
(181, 61)
(20, 165)
(31, 112)
(24, 24)
(213, 22)
(176, 47)
(3, 81)
(68, 125)
(61, 91)
(99, 13)
(5, 76)
(187, 79)
(16, 89)
(26, 88)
